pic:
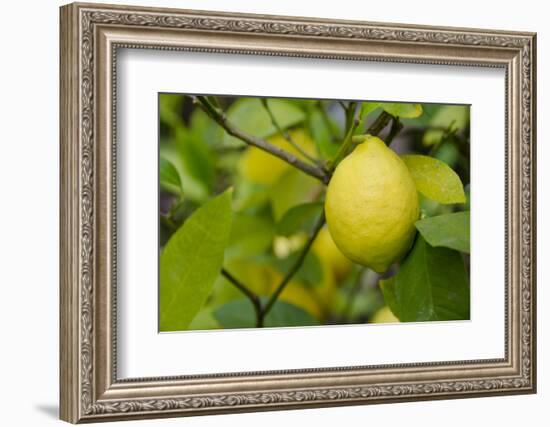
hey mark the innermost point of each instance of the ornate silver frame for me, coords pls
(90, 36)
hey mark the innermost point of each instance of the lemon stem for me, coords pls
(351, 139)
(219, 117)
(353, 123)
(396, 127)
(379, 124)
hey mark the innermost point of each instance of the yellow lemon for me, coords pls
(371, 206)
(384, 315)
(264, 168)
(328, 253)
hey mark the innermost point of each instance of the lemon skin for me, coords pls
(371, 206)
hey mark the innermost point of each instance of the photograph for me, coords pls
(285, 212)
(272, 210)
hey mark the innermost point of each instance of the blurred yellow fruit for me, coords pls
(314, 299)
(264, 168)
(384, 315)
(328, 253)
(371, 206)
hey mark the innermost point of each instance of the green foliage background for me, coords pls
(231, 217)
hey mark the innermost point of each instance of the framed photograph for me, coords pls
(266, 212)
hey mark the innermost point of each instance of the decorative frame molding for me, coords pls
(90, 36)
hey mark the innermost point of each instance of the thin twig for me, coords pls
(346, 144)
(287, 135)
(295, 267)
(254, 299)
(350, 114)
(341, 104)
(219, 117)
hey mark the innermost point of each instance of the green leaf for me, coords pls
(299, 218)
(322, 134)
(169, 109)
(248, 194)
(196, 159)
(204, 320)
(431, 284)
(169, 177)
(367, 108)
(449, 153)
(310, 273)
(434, 179)
(191, 261)
(402, 109)
(194, 162)
(428, 112)
(447, 119)
(286, 314)
(249, 115)
(250, 235)
(204, 129)
(388, 291)
(293, 188)
(193, 189)
(241, 314)
(450, 230)
(451, 117)
(365, 303)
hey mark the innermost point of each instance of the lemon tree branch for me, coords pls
(295, 267)
(219, 117)
(254, 299)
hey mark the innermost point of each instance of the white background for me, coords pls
(29, 170)
(143, 352)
